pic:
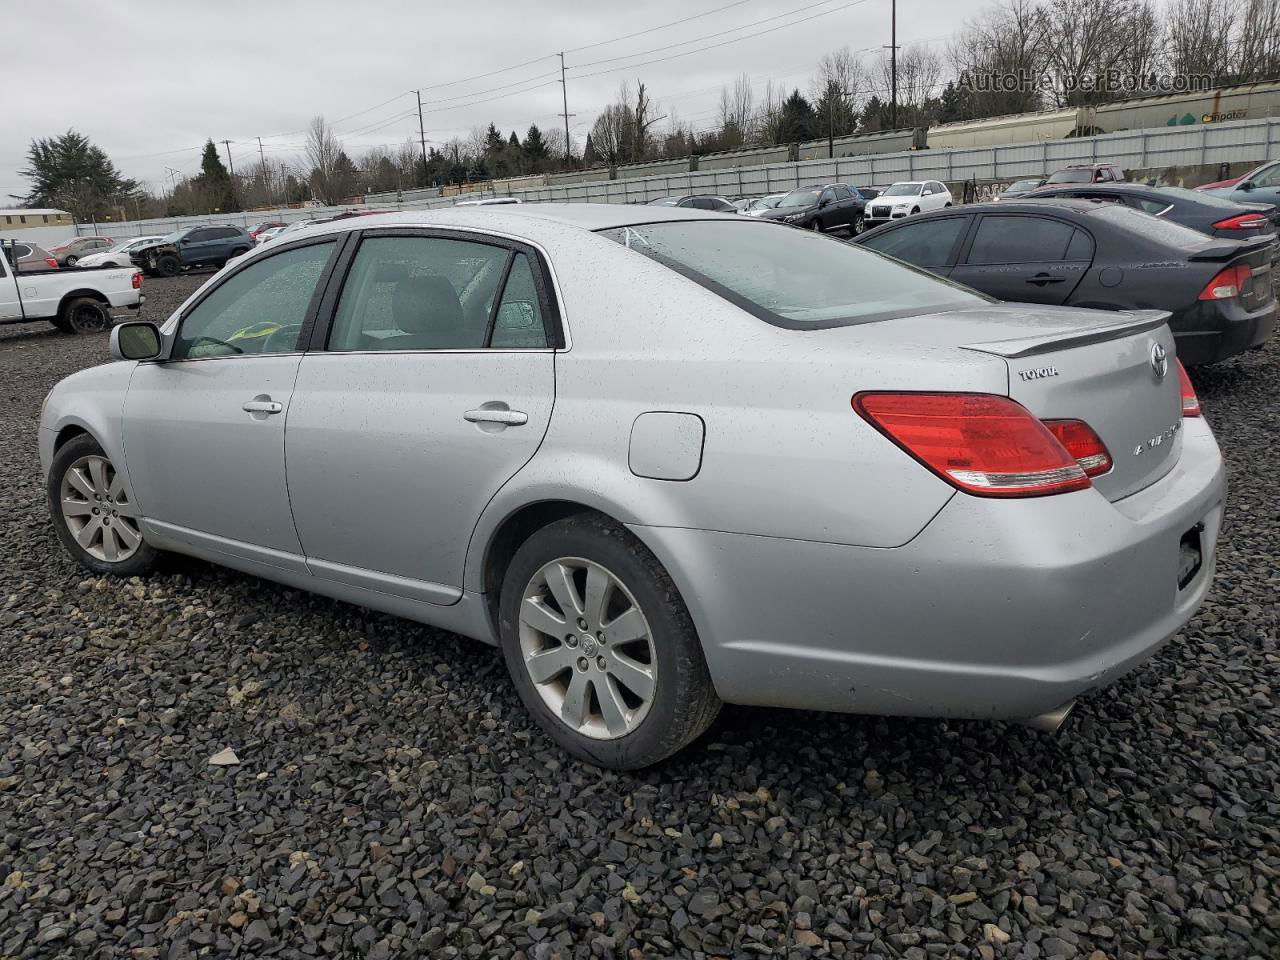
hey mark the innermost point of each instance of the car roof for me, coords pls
(1063, 204)
(586, 216)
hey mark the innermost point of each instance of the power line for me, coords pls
(663, 26)
(724, 43)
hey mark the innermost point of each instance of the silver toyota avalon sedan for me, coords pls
(663, 459)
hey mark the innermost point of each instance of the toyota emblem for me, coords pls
(1159, 361)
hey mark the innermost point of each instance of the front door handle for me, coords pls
(262, 406)
(509, 418)
(1040, 279)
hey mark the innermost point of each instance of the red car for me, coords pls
(265, 225)
(1234, 181)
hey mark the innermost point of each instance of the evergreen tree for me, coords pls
(589, 155)
(535, 150)
(215, 182)
(70, 173)
(798, 119)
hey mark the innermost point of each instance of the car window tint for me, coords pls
(791, 278)
(418, 293)
(827, 196)
(259, 309)
(1019, 240)
(1268, 178)
(927, 244)
(1080, 247)
(519, 320)
(1153, 207)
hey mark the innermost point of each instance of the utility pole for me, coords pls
(422, 138)
(232, 166)
(266, 178)
(173, 179)
(564, 91)
(893, 64)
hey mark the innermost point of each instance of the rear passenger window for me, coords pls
(418, 293)
(923, 244)
(519, 320)
(1080, 247)
(1020, 240)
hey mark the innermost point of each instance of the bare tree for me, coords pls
(323, 150)
(642, 120)
(1196, 40)
(768, 122)
(1009, 40)
(839, 70)
(919, 70)
(737, 113)
(1258, 47)
(611, 131)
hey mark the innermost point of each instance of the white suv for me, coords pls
(905, 198)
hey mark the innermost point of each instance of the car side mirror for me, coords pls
(138, 340)
(1246, 185)
(825, 201)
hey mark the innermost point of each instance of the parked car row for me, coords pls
(1217, 289)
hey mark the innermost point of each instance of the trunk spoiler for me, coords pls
(1229, 249)
(1116, 325)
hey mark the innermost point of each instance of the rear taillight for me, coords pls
(1190, 402)
(137, 280)
(1085, 446)
(51, 262)
(1245, 221)
(982, 444)
(1228, 284)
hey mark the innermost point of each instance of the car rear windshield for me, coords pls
(793, 278)
(1197, 196)
(1155, 228)
(1072, 176)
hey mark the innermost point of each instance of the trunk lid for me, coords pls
(1103, 369)
(1066, 363)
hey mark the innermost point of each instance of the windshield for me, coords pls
(1072, 176)
(903, 190)
(1022, 185)
(793, 278)
(800, 198)
(175, 236)
(664, 202)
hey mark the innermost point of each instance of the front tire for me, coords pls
(168, 266)
(96, 520)
(601, 647)
(914, 211)
(816, 226)
(859, 225)
(72, 261)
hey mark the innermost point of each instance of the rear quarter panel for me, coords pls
(784, 453)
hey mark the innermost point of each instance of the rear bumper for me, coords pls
(1202, 339)
(998, 609)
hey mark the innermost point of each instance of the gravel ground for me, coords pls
(392, 798)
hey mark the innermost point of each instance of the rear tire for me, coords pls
(83, 315)
(168, 266)
(631, 687)
(72, 261)
(95, 519)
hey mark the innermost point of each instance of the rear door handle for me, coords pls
(262, 406)
(510, 418)
(1040, 279)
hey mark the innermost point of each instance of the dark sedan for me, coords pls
(1087, 254)
(825, 207)
(1199, 211)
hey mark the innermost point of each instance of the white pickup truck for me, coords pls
(74, 301)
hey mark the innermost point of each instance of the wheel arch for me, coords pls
(82, 292)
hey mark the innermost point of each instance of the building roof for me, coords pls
(9, 211)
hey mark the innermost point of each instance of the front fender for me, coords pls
(92, 401)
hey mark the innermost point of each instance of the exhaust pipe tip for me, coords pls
(1051, 720)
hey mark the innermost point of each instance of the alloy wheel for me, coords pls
(98, 512)
(588, 648)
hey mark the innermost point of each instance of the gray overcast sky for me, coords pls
(149, 81)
